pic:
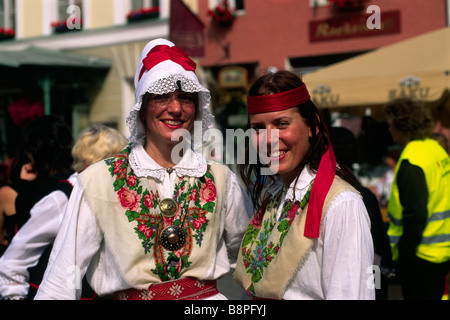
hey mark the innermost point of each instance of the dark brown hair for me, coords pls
(410, 117)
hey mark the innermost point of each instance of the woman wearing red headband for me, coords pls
(310, 236)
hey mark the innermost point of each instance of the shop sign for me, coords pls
(353, 26)
(323, 97)
(409, 87)
(186, 29)
(233, 77)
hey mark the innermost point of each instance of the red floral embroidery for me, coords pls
(195, 202)
(293, 211)
(148, 200)
(194, 195)
(117, 166)
(208, 191)
(198, 223)
(131, 180)
(129, 199)
(147, 231)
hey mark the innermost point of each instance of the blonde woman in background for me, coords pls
(96, 143)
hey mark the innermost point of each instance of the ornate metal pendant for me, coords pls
(168, 207)
(172, 238)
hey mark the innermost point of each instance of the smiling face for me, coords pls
(292, 142)
(163, 114)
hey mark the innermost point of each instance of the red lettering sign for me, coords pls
(353, 26)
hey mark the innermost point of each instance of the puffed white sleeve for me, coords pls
(239, 210)
(77, 242)
(348, 250)
(29, 243)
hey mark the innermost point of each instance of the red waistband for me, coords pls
(182, 289)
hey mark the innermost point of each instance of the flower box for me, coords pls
(7, 34)
(143, 14)
(222, 15)
(348, 5)
(61, 26)
(25, 110)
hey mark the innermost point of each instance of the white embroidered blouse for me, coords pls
(79, 247)
(340, 265)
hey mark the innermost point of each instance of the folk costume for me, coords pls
(311, 240)
(141, 231)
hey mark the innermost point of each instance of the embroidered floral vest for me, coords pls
(274, 250)
(127, 211)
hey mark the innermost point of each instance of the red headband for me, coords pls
(327, 167)
(277, 101)
(162, 53)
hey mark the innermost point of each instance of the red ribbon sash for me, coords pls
(321, 186)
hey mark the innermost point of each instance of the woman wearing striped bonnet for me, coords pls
(156, 221)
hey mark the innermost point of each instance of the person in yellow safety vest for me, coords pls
(419, 204)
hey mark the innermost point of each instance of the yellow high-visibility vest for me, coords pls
(435, 163)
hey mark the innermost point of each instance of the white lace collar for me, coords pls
(192, 164)
(300, 186)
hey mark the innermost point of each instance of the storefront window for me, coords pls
(63, 5)
(68, 16)
(238, 5)
(139, 4)
(7, 14)
(143, 10)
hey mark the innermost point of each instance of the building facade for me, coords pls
(75, 58)
(302, 36)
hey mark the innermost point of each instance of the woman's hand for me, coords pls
(27, 173)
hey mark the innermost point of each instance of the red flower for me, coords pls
(131, 180)
(7, 32)
(293, 210)
(222, 14)
(194, 195)
(129, 199)
(198, 223)
(147, 231)
(148, 200)
(257, 218)
(208, 191)
(117, 165)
